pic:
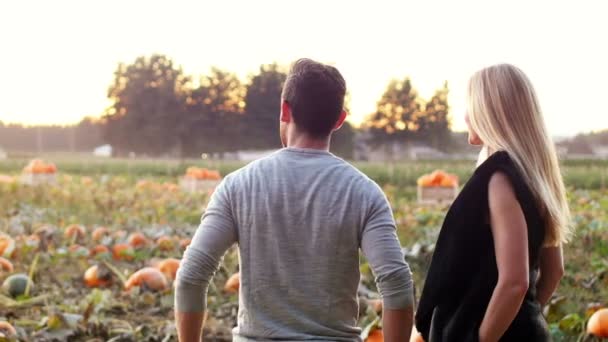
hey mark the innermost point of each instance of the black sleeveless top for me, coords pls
(463, 271)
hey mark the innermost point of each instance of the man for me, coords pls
(299, 218)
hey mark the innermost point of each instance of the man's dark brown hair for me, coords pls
(315, 93)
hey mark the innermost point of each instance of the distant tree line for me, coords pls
(158, 110)
(584, 143)
(83, 137)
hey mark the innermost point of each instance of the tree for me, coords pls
(262, 107)
(214, 114)
(396, 116)
(147, 105)
(434, 123)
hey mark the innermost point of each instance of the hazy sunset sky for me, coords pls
(57, 58)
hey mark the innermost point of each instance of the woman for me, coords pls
(498, 258)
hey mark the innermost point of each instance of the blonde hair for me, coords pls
(504, 111)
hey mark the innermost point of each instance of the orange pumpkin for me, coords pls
(6, 265)
(183, 243)
(7, 330)
(38, 166)
(4, 179)
(598, 324)
(137, 240)
(165, 243)
(438, 178)
(100, 250)
(170, 187)
(32, 241)
(119, 235)
(169, 267)
(99, 233)
(148, 277)
(123, 251)
(50, 168)
(74, 231)
(96, 277)
(375, 335)
(376, 305)
(233, 283)
(80, 251)
(7, 246)
(86, 181)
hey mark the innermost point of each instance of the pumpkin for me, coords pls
(6, 265)
(170, 187)
(50, 168)
(79, 251)
(99, 233)
(74, 232)
(165, 243)
(16, 284)
(7, 330)
(169, 267)
(38, 166)
(86, 181)
(95, 276)
(375, 304)
(183, 243)
(123, 251)
(32, 241)
(598, 324)
(147, 277)
(438, 178)
(202, 174)
(7, 246)
(137, 240)
(119, 235)
(4, 179)
(100, 250)
(233, 283)
(375, 335)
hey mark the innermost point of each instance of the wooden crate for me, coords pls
(38, 178)
(437, 194)
(197, 185)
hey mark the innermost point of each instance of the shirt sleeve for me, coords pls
(381, 247)
(215, 235)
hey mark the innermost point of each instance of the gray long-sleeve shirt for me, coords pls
(299, 217)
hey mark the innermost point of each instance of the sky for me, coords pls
(57, 58)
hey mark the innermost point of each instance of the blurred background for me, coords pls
(187, 78)
(118, 119)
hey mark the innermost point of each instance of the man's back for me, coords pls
(299, 215)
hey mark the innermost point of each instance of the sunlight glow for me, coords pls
(58, 57)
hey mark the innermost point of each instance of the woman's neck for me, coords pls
(484, 154)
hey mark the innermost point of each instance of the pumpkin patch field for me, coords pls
(92, 256)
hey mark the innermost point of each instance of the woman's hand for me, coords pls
(510, 234)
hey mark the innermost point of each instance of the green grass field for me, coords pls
(142, 196)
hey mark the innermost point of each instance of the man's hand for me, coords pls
(397, 324)
(189, 326)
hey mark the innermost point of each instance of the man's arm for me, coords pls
(382, 249)
(216, 233)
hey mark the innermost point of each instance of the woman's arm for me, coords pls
(551, 272)
(510, 233)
